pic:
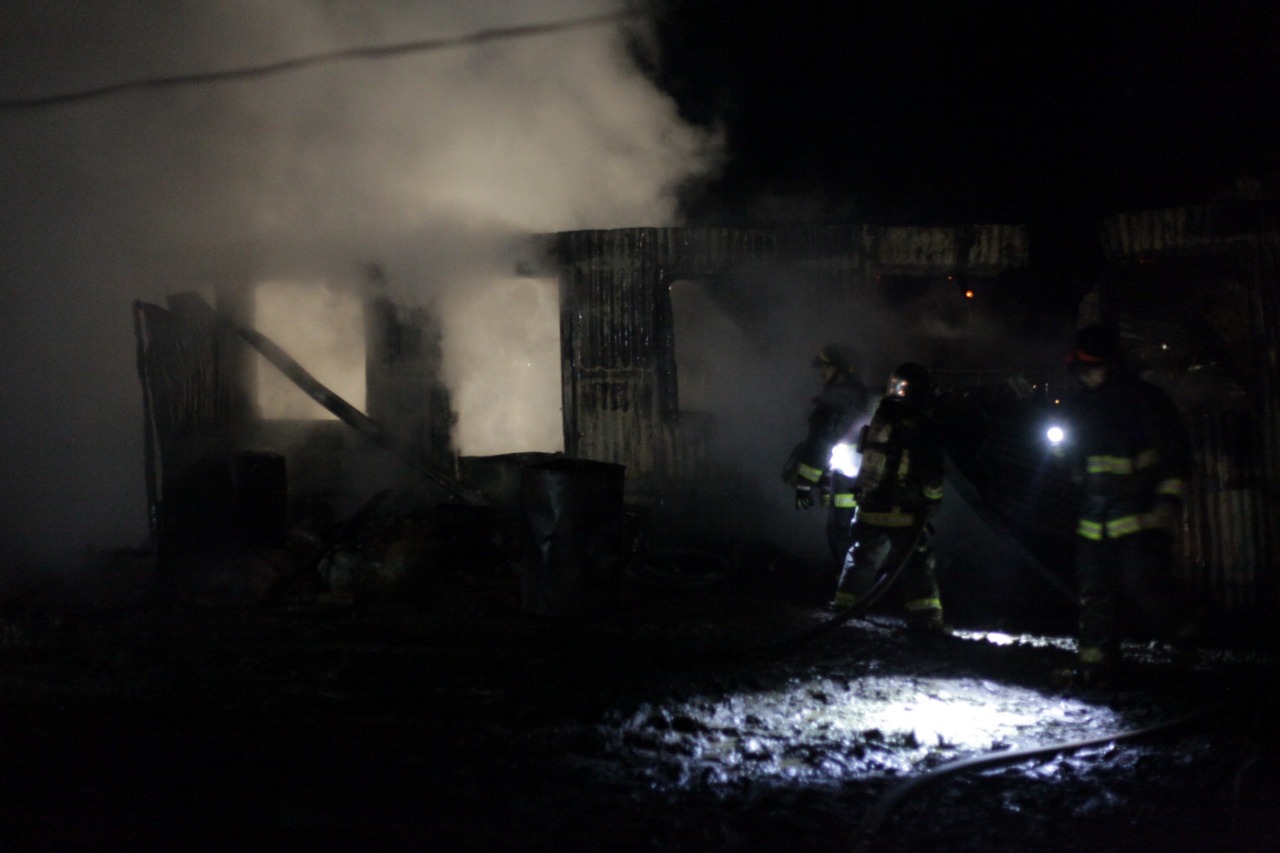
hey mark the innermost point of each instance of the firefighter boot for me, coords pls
(928, 621)
(842, 602)
(1096, 669)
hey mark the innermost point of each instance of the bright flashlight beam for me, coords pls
(845, 459)
(1055, 435)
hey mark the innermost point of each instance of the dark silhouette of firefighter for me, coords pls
(821, 467)
(1130, 457)
(898, 489)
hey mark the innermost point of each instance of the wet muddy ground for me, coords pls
(433, 712)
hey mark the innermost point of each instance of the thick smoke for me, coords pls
(748, 361)
(432, 165)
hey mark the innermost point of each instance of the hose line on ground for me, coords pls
(792, 641)
(880, 811)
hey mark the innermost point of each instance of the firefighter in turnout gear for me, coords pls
(899, 488)
(820, 467)
(1129, 454)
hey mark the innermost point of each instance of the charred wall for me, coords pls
(1194, 290)
(620, 398)
(219, 476)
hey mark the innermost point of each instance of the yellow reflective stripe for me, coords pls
(845, 599)
(1123, 526)
(1090, 529)
(1173, 487)
(1093, 654)
(810, 473)
(846, 501)
(924, 604)
(1117, 527)
(1108, 465)
(1121, 464)
(933, 493)
(894, 518)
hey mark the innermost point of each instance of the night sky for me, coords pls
(922, 111)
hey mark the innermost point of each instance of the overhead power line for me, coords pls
(287, 65)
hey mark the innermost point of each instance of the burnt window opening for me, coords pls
(502, 348)
(322, 327)
(703, 335)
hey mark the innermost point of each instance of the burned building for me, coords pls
(1192, 287)
(621, 391)
(621, 397)
(449, 715)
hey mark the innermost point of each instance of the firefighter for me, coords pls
(837, 414)
(1129, 454)
(898, 489)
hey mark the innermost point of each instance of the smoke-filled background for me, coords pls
(432, 165)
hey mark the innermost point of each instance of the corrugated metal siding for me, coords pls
(693, 252)
(1225, 549)
(609, 312)
(1266, 285)
(1232, 549)
(1184, 229)
(185, 380)
(617, 348)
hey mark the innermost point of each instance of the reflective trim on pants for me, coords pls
(1094, 655)
(1117, 527)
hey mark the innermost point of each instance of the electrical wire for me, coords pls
(298, 63)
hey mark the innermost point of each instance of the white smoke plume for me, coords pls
(430, 164)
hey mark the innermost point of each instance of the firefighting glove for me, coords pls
(804, 494)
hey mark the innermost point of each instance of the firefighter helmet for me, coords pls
(842, 358)
(911, 383)
(1095, 346)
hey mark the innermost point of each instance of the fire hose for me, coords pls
(880, 811)
(865, 603)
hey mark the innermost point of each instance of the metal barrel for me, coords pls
(574, 511)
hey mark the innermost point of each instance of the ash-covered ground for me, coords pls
(425, 709)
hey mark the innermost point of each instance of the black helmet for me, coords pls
(911, 383)
(1095, 346)
(842, 358)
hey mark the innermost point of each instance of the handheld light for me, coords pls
(845, 459)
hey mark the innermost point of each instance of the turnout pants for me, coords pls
(1133, 572)
(840, 514)
(877, 550)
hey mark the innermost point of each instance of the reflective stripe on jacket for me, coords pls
(903, 465)
(1128, 447)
